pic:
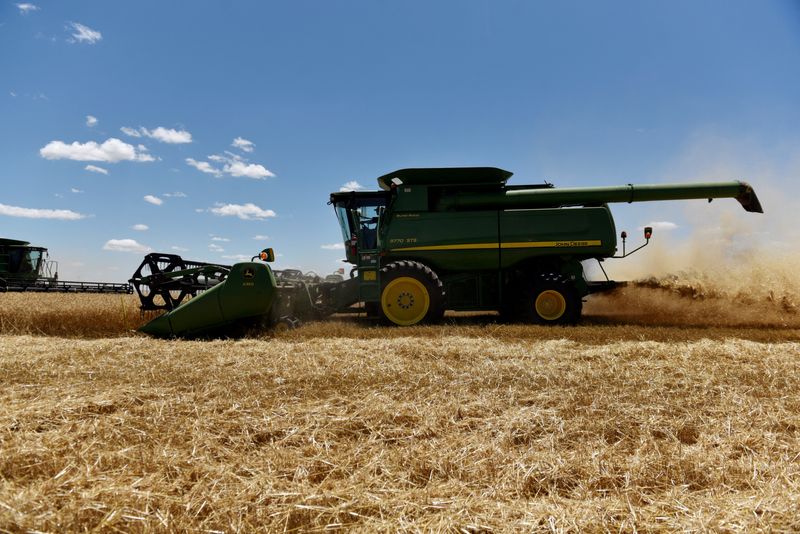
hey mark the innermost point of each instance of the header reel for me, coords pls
(164, 281)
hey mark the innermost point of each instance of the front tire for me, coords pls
(411, 293)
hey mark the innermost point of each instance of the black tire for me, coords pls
(287, 322)
(411, 293)
(551, 299)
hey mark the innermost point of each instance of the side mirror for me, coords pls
(267, 255)
(648, 233)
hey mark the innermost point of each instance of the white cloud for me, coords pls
(26, 8)
(176, 194)
(661, 225)
(235, 165)
(222, 239)
(140, 227)
(153, 200)
(203, 166)
(215, 248)
(84, 34)
(13, 94)
(130, 132)
(75, 190)
(333, 246)
(243, 144)
(144, 156)
(95, 168)
(249, 170)
(165, 135)
(247, 211)
(352, 185)
(168, 135)
(260, 237)
(91, 120)
(126, 245)
(179, 249)
(36, 213)
(111, 151)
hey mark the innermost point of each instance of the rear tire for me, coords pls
(552, 300)
(287, 322)
(411, 293)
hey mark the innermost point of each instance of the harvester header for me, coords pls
(432, 240)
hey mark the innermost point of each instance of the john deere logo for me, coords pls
(249, 273)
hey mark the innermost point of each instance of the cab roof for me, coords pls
(357, 199)
(13, 242)
(447, 176)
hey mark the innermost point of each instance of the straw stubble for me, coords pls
(431, 430)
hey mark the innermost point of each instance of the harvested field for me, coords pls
(653, 420)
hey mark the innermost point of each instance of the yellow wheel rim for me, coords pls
(550, 305)
(405, 301)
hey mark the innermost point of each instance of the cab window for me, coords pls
(368, 227)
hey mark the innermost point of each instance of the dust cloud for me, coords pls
(735, 272)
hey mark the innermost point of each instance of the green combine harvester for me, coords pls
(24, 267)
(429, 240)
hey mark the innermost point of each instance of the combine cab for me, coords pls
(24, 267)
(428, 241)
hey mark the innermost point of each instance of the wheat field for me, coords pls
(671, 408)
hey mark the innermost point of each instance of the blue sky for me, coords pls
(321, 94)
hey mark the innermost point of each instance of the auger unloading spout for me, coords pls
(544, 197)
(430, 240)
(748, 199)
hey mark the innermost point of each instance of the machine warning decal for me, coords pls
(555, 244)
(370, 276)
(402, 240)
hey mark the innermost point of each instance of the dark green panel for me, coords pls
(472, 291)
(411, 198)
(580, 232)
(445, 241)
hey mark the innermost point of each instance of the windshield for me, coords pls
(23, 260)
(344, 223)
(358, 214)
(34, 257)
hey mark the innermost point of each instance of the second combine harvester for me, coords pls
(429, 240)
